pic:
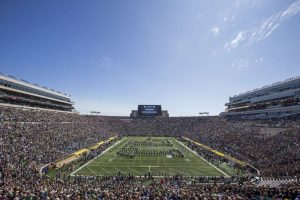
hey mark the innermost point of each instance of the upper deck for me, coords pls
(18, 85)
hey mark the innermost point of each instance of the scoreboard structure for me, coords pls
(149, 111)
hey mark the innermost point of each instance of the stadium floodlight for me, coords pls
(203, 113)
(95, 113)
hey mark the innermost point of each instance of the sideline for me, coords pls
(72, 174)
(217, 152)
(225, 174)
(76, 155)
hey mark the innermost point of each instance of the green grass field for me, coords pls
(161, 156)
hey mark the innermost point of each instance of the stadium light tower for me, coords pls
(203, 114)
(95, 113)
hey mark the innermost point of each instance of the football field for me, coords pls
(159, 156)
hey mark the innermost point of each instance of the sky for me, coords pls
(188, 56)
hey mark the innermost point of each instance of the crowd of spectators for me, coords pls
(30, 139)
(274, 155)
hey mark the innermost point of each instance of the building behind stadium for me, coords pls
(278, 100)
(20, 93)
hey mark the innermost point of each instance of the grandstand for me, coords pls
(278, 100)
(18, 92)
(63, 155)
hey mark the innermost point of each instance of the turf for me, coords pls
(110, 163)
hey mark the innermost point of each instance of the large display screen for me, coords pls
(149, 110)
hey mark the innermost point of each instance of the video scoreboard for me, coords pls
(149, 110)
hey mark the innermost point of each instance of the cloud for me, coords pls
(265, 29)
(228, 15)
(106, 62)
(243, 63)
(258, 60)
(235, 42)
(215, 30)
(240, 64)
(293, 9)
(102, 61)
(251, 4)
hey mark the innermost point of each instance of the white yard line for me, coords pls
(120, 170)
(132, 163)
(134, 170)
(164, 171)
(225, 174)
(194, 171)
(105, 170)
(179, 171)
(201, 171)
(91, 170)
(74, 172)
(147, 166)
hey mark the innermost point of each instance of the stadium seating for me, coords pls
(30, 139)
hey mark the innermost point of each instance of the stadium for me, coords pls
(48, 151)
(149, 100)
